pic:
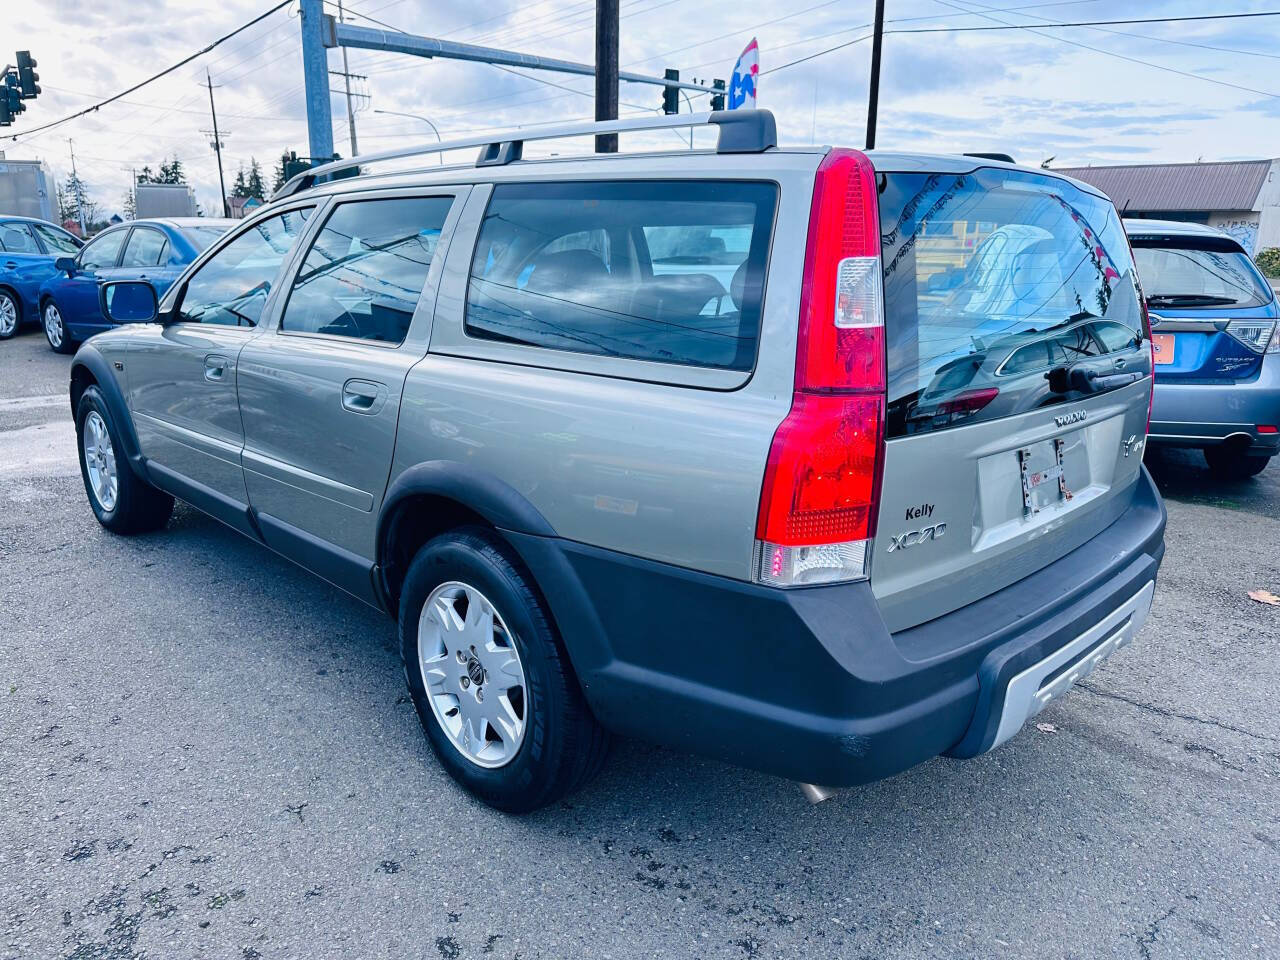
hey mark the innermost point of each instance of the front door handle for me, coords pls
(216, 367)
(363, 396)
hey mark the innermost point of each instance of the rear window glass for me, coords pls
(669, 271)
(1196, 272)
(992, 279)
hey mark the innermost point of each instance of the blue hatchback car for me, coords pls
(1217, 350)
(28, 249)
(153, 250)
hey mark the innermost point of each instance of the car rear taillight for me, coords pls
(821, 486)
(1254, 334)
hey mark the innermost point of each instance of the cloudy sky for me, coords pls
(1151, 92)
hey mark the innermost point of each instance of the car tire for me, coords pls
(121, 500)
(1231, 463)
(10, 315)
(471, 621)
(55, 329)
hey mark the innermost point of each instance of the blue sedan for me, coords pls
(28, 249)
(153, 250)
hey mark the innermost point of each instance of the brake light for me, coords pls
(821, 486)
(1267, 428)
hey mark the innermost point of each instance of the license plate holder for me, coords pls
(1162, 347)
(1044, 476)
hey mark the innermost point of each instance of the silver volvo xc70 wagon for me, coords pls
(820, 462)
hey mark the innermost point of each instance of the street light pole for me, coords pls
(416, 116)
(217, 147)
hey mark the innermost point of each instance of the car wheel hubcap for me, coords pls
(53, 325)
(8, 316)
(100, 461)
(472, 673)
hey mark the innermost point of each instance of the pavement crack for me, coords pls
(1152, 933)
(1174, 715)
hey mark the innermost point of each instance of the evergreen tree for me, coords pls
(66, 203)
(128, 205)
(145, 175)
(254, 183)
(79, 202)
(278, 177)
(238, 189)
(171, 171)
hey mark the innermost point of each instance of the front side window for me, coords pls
(231, 287)
(16, 238)
(101, 252)
(363, 275)
(146, 248)
(1198, 272)
(663, 271)
(57, 241)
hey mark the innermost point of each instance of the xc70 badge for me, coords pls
(911, 538)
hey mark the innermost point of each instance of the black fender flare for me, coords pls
(88, 358)
(501, 504)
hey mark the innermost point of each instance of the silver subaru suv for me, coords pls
(816, 461)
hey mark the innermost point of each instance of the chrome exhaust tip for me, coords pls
(816, 794)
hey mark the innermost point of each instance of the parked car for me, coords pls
(153, 250)
(1217, 353)
(601, 492)
(28, 249)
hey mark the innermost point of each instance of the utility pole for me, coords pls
(79, 200)
(873, 97)
(346, 77)
(217, 146)
(606, 71)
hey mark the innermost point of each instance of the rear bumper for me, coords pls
(1205, 414)
(809, 684)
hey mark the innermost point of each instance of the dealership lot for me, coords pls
(208, 752)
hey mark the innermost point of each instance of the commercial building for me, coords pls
(1241, 198)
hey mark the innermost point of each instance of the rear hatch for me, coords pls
(1211, 311)
(1018, 381)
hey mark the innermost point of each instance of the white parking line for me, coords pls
(33, 403)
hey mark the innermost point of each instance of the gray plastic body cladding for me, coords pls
(810, 684)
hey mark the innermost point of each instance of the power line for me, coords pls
(1003, 25)
(138, 86)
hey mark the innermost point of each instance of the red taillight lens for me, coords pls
(822, 484)
(1267, 428)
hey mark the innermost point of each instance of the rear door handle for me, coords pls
(10, 265)
(216, 367)
(363, 396)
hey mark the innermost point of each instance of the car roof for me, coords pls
(11, 217)
(1179, 228)
(179, 223)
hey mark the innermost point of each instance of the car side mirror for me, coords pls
(129, 301)
(65, 265)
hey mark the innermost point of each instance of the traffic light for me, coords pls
(11, 96)
(27, 75)
(671, 95)
(717, 99)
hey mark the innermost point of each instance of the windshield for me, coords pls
(991, 280)
(1198, 272)
(202, 237)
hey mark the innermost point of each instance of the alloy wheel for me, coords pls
(472, 674)
(100, 461)
(53, 325)
(8, 316)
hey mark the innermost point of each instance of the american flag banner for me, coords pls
(742, 88)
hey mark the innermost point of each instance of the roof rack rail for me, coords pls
(741, 131)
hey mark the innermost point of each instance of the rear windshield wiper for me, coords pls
(1189, 300)
(1064, 380)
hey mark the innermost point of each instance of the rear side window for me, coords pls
(57, 241)
(16, 238)
(364, 273)
(146, 248)
(992, 279)
(664, 271)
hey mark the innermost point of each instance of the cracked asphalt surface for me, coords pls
(206, 752)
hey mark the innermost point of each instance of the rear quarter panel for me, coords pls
(667, 472)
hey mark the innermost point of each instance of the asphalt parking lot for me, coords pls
(206, 752)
